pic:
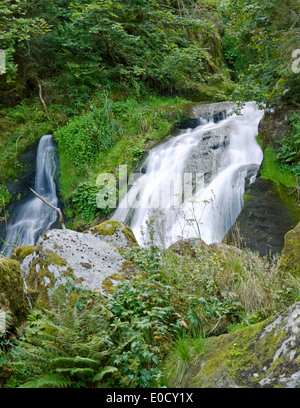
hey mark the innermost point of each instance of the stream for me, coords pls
(32, 218)
(193, 184)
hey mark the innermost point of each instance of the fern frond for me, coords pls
(87, 362)
(99, 356)
(82, 373)
(102, 373)
(48, 381)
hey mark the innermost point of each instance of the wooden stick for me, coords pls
(61, 218)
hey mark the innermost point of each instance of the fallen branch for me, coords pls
(41, 96)
(61, 218)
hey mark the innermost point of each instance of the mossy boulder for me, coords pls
(290, 257)
(22, 252)
(69, 257)
(264, 355)
(12, 291)
(192, 246)
(116, 233)
(187, 247)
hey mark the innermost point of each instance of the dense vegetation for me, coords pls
(110, 78)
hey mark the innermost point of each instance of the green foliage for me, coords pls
(5, 197)
(85, 200)
(84, 137)
(258, 44)
(289, 152)
(16, 30)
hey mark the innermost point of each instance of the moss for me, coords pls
(290, 258)
(12, 295)
(107, 228)
(129, 235)
(108, 286)
(247, 197)
(129, 267)
(272, 169)
(118, 277)
(22, 252)
(110, 228)
(54, 259)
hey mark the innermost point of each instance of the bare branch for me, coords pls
(61, 218)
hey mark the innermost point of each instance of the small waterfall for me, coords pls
(193, 184)
(34, 217)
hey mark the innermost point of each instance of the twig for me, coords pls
(61, 218)
(41, 96)
(219, 321)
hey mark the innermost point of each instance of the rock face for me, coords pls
(12, 297)
(274, 126)
(263, 221)
(63, 255)
(290, 257)
(265, 355)
(196, 113)
(114, 232)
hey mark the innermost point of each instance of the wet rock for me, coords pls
(196, 114)
(264, 219)
(206, 157)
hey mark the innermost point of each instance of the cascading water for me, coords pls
(193, 184)
(34, 217)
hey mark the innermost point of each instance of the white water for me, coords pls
(34, 217)
(212, 210)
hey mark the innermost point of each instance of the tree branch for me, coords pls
(61, 218)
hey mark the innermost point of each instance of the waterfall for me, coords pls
(193, 184)
(34, 217)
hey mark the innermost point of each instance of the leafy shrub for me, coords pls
(84, 198)
(289, 152)
(5, 197)
(85, 137)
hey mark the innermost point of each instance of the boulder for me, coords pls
(66, 256)
(12, 294)
(114, 232)
(264, 355)
(20, 253)
(290, 257)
